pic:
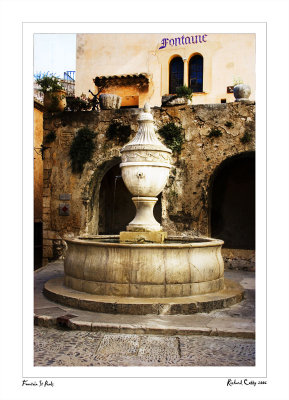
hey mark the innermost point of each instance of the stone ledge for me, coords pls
(231, 294)
(142, 237)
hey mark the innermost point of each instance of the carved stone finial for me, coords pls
(147, 108)
(145, 169)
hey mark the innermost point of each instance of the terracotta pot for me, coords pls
(55, 101)
(109, 101)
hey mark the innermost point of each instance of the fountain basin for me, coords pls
(179, 267)
(180, 276)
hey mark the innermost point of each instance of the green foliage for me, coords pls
(173, 136)
(184, 91)
(81, 103)
(238, 81)
(228, 124)
(117, 131)
(82, 148)
(48, 82)
(50, 137)
(246, 138)
(214, 132)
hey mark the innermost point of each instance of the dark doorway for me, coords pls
(37, 245)
(233, 202)
(116, 208)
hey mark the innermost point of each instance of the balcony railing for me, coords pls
(69, 76)
(68, 82)
(69, 87)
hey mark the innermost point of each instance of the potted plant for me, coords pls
(54, 92)
(78, 103)
(184, 92)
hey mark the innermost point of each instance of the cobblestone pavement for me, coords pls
(54, 347)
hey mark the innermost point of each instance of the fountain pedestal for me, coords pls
(145, 169)
(144, 227)
(144, 219)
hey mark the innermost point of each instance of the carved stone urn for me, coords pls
(242, 92)
(145, 169)
(109, 101)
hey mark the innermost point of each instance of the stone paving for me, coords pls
(53, 347)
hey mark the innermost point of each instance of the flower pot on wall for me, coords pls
(242, 92)
(55, 101)
(109, 101)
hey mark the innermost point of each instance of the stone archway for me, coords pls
(232, 202)
(116, 208)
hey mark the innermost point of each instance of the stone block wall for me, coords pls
(186, 197)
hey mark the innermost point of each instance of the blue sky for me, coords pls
(55, 53)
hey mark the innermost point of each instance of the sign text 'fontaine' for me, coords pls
(183, 40)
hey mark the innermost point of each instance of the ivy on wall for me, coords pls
(246, 138)
(118, 132)
(82, 148)
(50, 137)
(173, 136)
(214, 132)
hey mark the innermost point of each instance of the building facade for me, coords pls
(144, 67)
(211, 188)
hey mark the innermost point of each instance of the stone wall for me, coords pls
(212, 134)
(38, 163)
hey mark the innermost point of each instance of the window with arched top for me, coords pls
(176, 74)
(196, 73)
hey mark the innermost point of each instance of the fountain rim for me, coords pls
(87, 241)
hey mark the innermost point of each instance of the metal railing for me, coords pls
(69, 76)
(68, 82)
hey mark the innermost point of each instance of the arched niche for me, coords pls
(232, 202)
(90, 195)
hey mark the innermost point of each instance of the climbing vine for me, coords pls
(118, 132)
(214, 132)
(246, 138)
(173, 136)
(82, 148)
(229, 124)
(50, 137)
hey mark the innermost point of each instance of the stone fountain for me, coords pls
(142, 270)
